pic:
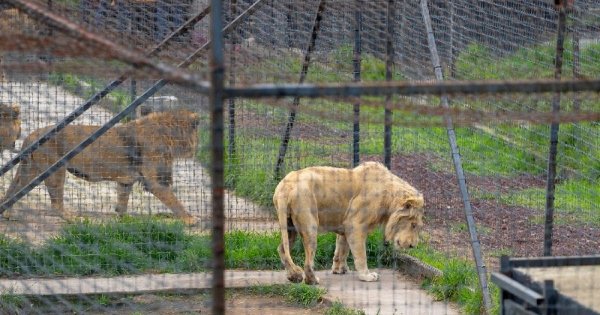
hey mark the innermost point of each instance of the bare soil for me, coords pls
(173, 304)
(512, 230)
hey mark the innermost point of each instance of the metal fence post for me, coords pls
(553, 149)
(232, 161)
(292, 116)
(357, 65)
(460, 174)
(389, 64)
(217, 76)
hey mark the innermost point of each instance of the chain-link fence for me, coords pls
(143, 142)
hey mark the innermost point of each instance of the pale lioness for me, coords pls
(351, 203)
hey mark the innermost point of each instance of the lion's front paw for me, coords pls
(295, 275)
(312, 280)
(369, 277)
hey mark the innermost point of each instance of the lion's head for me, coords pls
(405, 222)
(10, 126)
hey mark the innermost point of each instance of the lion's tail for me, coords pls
(281, 205)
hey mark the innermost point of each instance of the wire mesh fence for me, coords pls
(455, 98)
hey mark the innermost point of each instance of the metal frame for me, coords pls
(458, 168)
(520, 295)
(553, 148)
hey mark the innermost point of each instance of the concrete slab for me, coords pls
(581, 283)
(393, 294)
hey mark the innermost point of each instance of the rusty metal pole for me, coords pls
(292, 116)
(554, 126)
(357, 65)
(460, 174)
(576, 53)
(389, 65)
(232, 161)
(217, 77)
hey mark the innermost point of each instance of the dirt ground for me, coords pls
(173, 304)
(512, 230)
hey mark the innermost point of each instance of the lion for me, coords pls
(10, 126)
(350, 203)
(141, 150)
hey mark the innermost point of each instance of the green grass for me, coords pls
(11, 303)
(141, 245)
(573, 198)
(477, 62)
(297, 293)
(337, 308)
(459, 282)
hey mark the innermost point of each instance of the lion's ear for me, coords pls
(412, 203)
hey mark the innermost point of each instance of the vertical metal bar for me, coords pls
(96, 97)
(357, 65)
(460, 174)
(231, 101)
(292, 116)
(550, 298)
(553, 149)
(217, 76)
(452, 39)
(389, 65)
(10, 200)
(133, 93)
(576, 54)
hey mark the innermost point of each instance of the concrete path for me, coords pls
(393, 294)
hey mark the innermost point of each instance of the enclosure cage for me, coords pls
(143, 140)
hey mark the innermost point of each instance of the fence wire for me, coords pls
(65, 249)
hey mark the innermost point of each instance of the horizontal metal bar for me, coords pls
(522, 292)
(414, 88)
(170, 73)
(554, 261)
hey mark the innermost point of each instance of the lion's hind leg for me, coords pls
(342, 249)
(308, 227)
